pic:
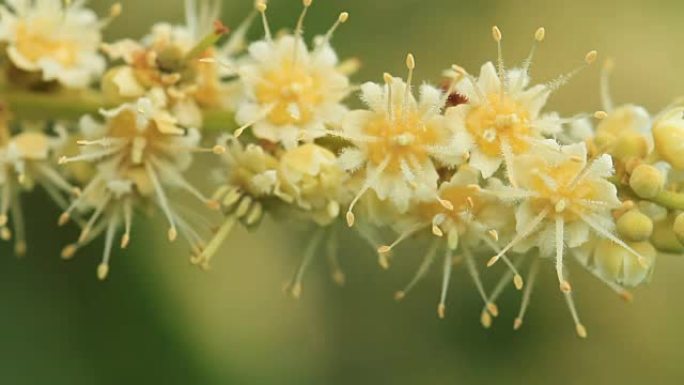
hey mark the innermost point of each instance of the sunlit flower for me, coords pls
(291, 92)
(564, 198)
(140, 153)
(399, 142)
(56, 38)
(503, 116)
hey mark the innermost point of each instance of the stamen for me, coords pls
(367, 185)
(66, 215)
(103, 268)
(163, 201)
(564, 284)
(517, 278)
(531, 278)
(114, 12)
(344, 16)
(383, 251)
(579, 328)
(420, 274)
(216, 241)
(606, 71)
(56, 179)
(90, 156)
(261, 8)
(99, 209)
(389, 80)
(128, 221)
(600, 115)
(299, 29)
(494, 295)
(296, 284)
(207, 42)
(496, 34)
(562, 80)
(182, 183)
(538, 38)
(333, 260)
(411, 65)
(267, 110)
(520, 236)
(446, 277)
(475, 275)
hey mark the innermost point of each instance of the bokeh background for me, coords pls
(159, 321)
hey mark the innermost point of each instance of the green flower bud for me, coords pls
(646, 181)
(634, 226)
(678, 227)
(664, 238)
(668, 134)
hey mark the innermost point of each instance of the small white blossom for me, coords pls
(56, 39)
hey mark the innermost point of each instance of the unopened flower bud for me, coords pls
(617, 264)
(664, 238)
(678, 227)
(646, 181)
(668, 133)
(634, 226)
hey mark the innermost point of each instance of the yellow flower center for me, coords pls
(559, 191)
(400, 138)
(34, 41)
(292, 91)
(499, 121)
(462, 198)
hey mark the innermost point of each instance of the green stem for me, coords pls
(71, 106)
(670, 199)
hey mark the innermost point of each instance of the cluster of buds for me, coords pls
(478, 168)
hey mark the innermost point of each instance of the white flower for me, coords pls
(140, 153)
(498, 127)
(59, 41)
(503, 115)
(400, 142)
(565, 198)
(290, 92)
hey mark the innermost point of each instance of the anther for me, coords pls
(496, 34)
(600, 115)
(590, 57)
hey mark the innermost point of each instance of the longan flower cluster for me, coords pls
(478, 168)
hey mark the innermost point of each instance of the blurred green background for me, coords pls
(159, 321)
